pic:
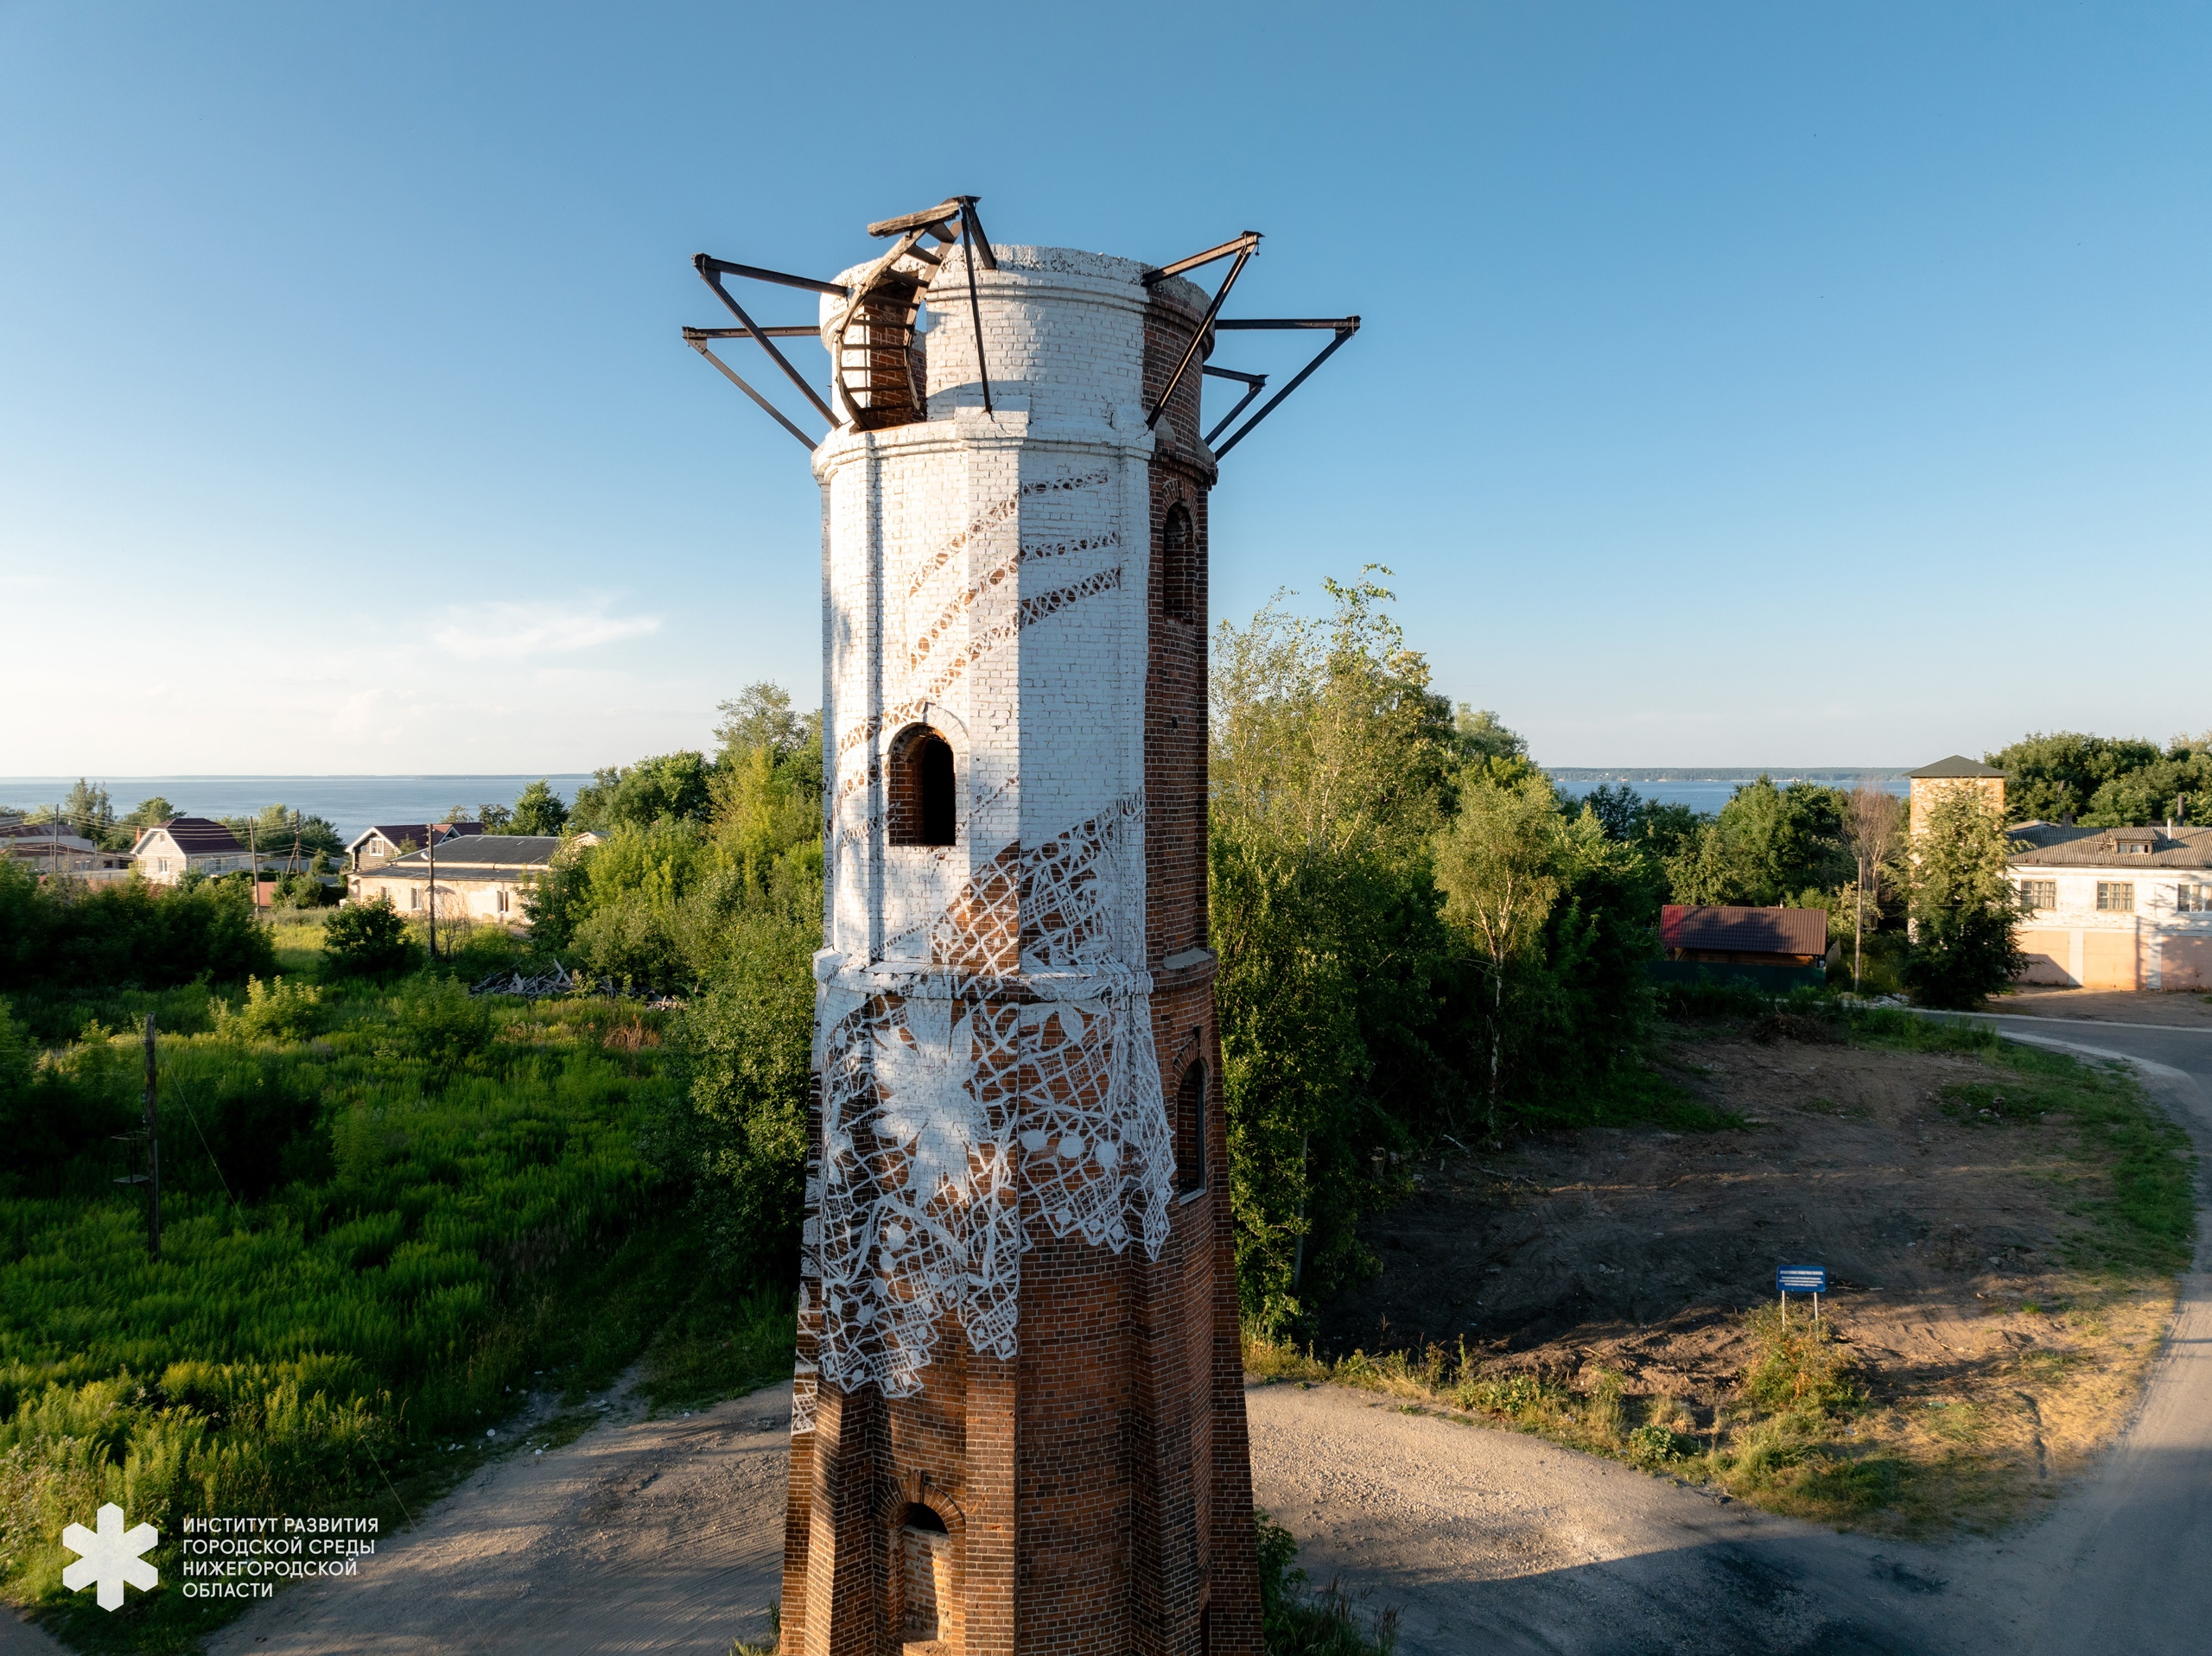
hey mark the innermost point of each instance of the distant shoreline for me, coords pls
(1742, 774)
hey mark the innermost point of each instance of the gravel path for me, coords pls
(643, 1535)
(1487, 1540)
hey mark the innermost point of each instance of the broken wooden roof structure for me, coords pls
(876, 379)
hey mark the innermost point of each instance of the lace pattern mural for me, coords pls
(957, 1099)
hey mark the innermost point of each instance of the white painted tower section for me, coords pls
(984, 575)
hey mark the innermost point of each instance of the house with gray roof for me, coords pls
(374, 847)
(2115, 908)
(477, 877)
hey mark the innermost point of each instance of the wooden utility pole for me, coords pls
(153, 1153)
(430, 849)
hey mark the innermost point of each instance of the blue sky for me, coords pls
(1740, 384)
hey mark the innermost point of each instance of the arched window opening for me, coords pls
(921, 788)
(1179, 564)
(1191, 1131)
(924, 1573)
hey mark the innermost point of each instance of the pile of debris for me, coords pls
(561, 981)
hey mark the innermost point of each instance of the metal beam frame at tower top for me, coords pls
(1343, 327)
(953, 222)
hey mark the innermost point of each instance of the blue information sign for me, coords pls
(1802, 1279)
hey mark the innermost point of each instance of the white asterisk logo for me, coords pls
(110, 1556)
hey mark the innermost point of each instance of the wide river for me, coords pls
(352, 803)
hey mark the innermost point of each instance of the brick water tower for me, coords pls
(1018, 1421)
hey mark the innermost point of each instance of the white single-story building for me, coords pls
(2124, 908)
(477, 877)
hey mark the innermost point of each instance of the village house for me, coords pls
(168, 851)
(2115, 908)
(2101, 908)
(1773, 949)
(373, 847)
(479, 877)
(53, 847)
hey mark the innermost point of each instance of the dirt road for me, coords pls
(2122, 1565)
(1491, 1541)
(642, 1535)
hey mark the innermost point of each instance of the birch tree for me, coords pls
(1871, 817)
(1497, 865)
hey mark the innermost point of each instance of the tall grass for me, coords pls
(387, 1211)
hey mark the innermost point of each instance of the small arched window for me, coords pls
(1179, 564)
(1191, 1131)
(921, 788)
(924, 1573)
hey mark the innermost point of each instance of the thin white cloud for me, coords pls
(512, 631)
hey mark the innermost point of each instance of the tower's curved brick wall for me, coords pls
(1019, 1313)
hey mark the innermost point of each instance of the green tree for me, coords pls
(538, 809)
(2048, 778)
(1497, 865)
(2165, 788)
(1871, 820)
(760, 716)
(746, 1046)
(670, 786)
(1487, 748)
(1580, 1001)
(148, 812)
(89, 812)
(1769, 845)
(1963, 906)
(275, 828)
(1331, 762)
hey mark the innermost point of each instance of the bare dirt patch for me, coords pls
(1593, 1281)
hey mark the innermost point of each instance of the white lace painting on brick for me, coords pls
(985, 1050)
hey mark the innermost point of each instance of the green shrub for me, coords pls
(62, 932)
(437, 1020)
(1797, 1368)
(274, 1011)
(367, 940)
(1653, 1444)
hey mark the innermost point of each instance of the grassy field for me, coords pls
(1814, 1429)
(389, 1211)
